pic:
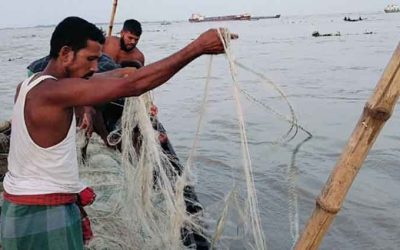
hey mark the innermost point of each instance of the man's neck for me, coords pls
(55, 69)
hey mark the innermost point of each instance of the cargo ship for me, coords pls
(264, 17)
(197, 18)
(392, 8)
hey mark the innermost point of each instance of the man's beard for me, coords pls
(123, 46)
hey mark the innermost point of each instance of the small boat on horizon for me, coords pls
(392, 8)
(348, 19)
(165, 23)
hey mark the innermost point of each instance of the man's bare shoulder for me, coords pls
(139, 52)
(140, 56)
(112, 40)
(134, 55)
(51, 88)
(111, 47)
(47, 86)
(17, 91)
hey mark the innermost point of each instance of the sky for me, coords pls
(28, 13)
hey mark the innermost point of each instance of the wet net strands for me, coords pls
(141, 194)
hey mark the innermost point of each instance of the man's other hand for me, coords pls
(86, 121)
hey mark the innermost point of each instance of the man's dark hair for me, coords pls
(74, 32)
(133, 26)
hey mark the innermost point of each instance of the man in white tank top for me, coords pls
(39, 210)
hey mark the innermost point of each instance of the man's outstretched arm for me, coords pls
(70, 92)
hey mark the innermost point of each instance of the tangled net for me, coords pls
(141, 201)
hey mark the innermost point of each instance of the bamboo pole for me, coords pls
(376, 112)
(114, 10)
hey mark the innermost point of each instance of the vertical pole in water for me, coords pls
(377, 111)
(114, 9)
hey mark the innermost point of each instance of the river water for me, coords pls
(326, 79)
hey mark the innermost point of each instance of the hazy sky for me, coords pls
(17, 13)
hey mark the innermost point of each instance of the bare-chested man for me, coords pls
(124, 48)
(39, 209)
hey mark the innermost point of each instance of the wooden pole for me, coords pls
(114, 10)
(376, 112)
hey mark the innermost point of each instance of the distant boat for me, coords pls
(265, 17)
(165, 23)
(317, 34)
(197, 18)
(392, 8)
(348, 19)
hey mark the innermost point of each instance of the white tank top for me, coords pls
(33, 169)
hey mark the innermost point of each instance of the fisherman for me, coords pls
(117, 52)
(124, 48)
(105, 120)
(41, 186)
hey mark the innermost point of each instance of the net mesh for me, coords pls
(140, 202)
(144, 195)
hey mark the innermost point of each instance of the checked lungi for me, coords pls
(41, 227)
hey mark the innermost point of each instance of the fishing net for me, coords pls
(141, 191)
(145, 198)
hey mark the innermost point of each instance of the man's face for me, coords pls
(128, 41)
(84, 62)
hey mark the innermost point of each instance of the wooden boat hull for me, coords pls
(5, 131)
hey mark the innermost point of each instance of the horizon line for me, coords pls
(183, 20)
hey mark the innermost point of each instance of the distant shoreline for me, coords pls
(98, 24)
(185, 20)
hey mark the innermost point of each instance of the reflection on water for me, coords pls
(327, 79)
